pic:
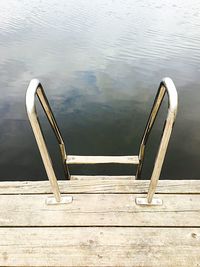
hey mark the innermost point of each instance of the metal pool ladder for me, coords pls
(166, 86)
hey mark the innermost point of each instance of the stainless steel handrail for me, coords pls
(35, 89)
(168, 86)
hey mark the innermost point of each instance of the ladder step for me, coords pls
(71, 159)
(101, 177)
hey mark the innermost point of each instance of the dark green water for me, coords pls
(100, 63)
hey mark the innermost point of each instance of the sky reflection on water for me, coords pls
(100, 63)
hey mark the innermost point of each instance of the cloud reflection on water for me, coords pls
(100, 63)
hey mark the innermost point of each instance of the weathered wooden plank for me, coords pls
(101, 186)
(100, 246)
(99, 210)
(101, 177)
(73, 159)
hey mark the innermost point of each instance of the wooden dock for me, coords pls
(103, 226)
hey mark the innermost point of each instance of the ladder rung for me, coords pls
(71, 159)
(101, 177)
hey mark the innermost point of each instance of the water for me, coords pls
(100, 63)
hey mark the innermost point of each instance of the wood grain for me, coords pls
(102, 186)
(100, 246)
(99, 210)
(102, 226)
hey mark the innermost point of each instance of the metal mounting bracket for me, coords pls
(143, 201)
(64, 200)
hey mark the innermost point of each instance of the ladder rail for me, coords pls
(48, 111)
(166, 86)
(35, 89)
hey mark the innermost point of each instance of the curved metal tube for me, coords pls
(168, 86)
(35, 88)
